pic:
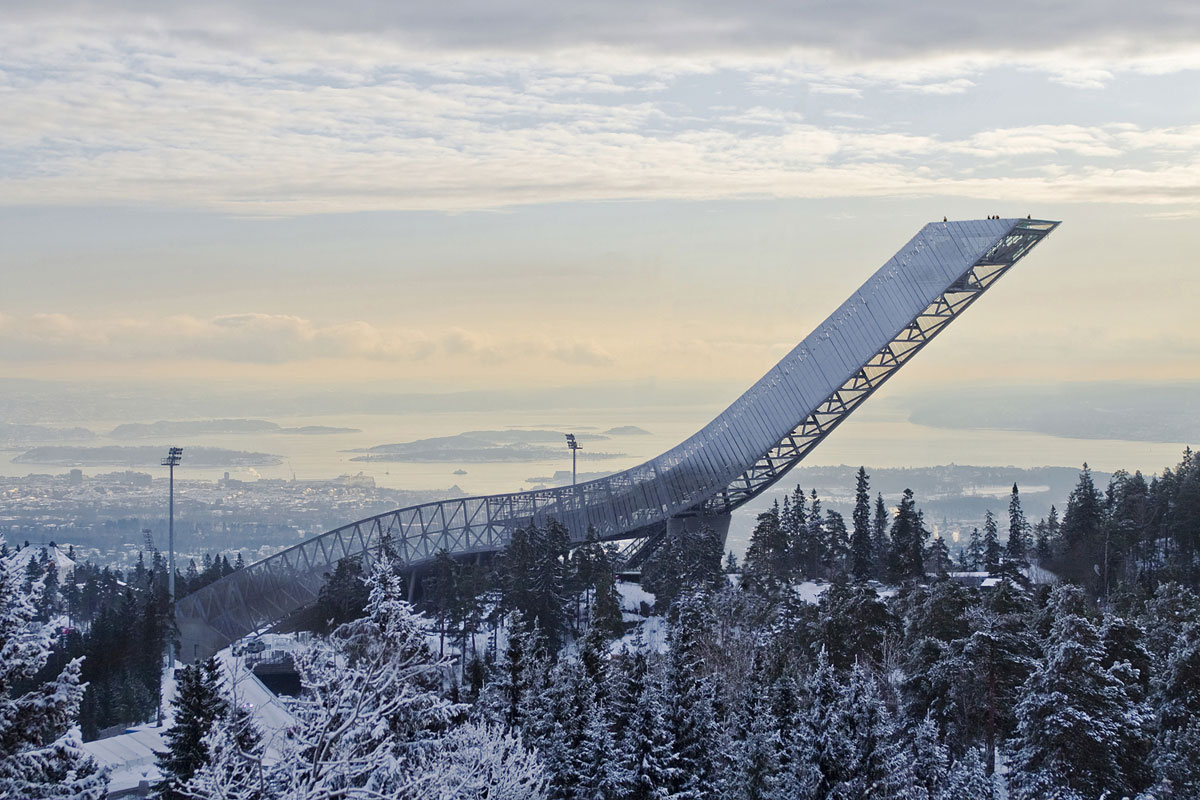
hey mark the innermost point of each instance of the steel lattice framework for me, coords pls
(747, 448)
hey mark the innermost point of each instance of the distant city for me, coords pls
(109, 518)
(105, 516)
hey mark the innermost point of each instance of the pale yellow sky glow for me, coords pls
(454, 205)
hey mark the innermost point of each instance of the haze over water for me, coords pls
(878, 436)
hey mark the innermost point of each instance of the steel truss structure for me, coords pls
(747, 448)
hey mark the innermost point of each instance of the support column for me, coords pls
(690, 523)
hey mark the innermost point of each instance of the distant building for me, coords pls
(230, 483)
(128, 478)
(55, 555)
(978, 580)
(360, 481)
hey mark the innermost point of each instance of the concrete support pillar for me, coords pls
(695, 522)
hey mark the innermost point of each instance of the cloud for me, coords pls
(853, 31)
(952, 86)
(1101, 141)
(257, 338)
(418, 106)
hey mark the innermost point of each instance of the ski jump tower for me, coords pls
(748, 447)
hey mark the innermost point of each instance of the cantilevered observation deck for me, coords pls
(748, 447)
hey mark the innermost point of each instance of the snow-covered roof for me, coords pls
(129, 756)
(56, 555)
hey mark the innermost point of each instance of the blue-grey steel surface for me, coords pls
(749, 446)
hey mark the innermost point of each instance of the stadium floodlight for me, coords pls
(174, 455)
(574, 445)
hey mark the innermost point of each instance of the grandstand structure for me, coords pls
(936, 276)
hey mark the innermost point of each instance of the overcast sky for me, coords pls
(519, 194)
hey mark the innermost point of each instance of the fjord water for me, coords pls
(877, 436)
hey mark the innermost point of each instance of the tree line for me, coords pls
(116, 622)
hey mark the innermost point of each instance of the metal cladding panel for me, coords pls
(711, 462)
(775, 402)
(869, 326)
(785, 388)
(791, 367)
(732, 435)
(889, 317)
(758, 421)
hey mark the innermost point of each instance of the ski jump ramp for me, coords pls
(748, 447)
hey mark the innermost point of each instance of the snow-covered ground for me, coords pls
(270, 712)
(130, 756)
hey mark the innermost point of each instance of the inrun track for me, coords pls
(937, 275)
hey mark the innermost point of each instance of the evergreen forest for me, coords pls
(841, 658)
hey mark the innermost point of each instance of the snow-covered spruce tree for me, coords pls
(997, 657)
(939, 611)
(968, 778)
(883, 766)
(478, 762)
(595, 657)
(234, 768)
(1124, 640)
(880, 543)
(831, 751)
(40, 757)
(767, 565)
(515, 678)
(578, 725)
(793, 517)
(991, 543)
(975, 551)
(938, 556)
(837, 544)
(198, 703)
(554, 723)
(533, 573)
(626, 680)
(852, 623)
(755, 757)
(1016, 550)
(548, 583)
(601, 774)
(816, 536)
(646, 748)
(1167, 615)
(1178, 743)
(906, 555)
(862, 555)
(858, 749)
(688, 701)
(929, 759)
(1175, 761)
(606, 608)
(370, 710)
(798, 774)
(1076, 721)
(1179, 699)
(342, 596)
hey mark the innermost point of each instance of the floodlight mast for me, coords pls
(574, 445)
(174, 455)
